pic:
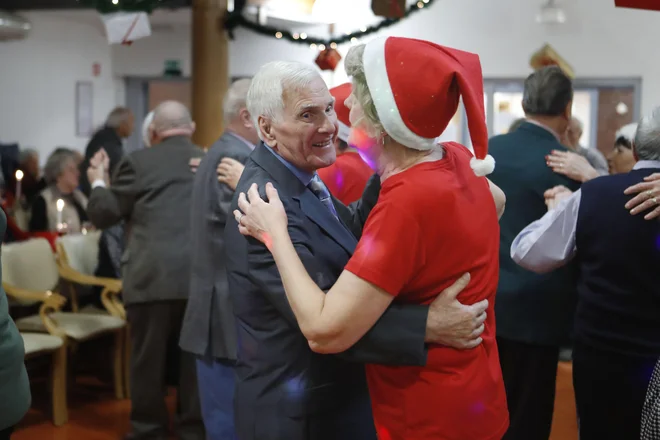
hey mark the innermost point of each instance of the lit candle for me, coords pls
(60, 208)
(19, 178)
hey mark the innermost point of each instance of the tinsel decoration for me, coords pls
(236, 19)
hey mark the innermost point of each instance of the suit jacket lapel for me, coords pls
(319, 214)
(309, 203)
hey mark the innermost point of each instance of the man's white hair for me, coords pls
(647, 138)
(266, 95)
(235, 99)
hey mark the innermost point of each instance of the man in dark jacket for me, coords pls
(118, 126)
(534, 312)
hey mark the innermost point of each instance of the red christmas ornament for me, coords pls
(389, 8)
(651, 5)
(328, 59)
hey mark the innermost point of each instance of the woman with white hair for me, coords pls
(62, 176)
(621, 159)
(435, 221)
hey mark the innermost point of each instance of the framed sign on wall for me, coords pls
(84, 108)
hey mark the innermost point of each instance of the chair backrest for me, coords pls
(30, 265)
(80, 251)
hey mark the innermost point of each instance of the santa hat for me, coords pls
(341, 94)
(416, 87)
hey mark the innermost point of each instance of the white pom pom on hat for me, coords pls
(416, 87)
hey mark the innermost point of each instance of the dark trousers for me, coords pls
(610, 390)
(216, 390)
(154, 331)
(530, 376)
(5, 434)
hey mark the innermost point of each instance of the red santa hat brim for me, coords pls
(425, 80)
(375, 71)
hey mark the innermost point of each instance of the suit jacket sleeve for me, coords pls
(355, 215)
(108, 206)
(396, 339)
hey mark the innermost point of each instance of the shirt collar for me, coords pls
(303, 176)
(545, 127)
(646, 164)
(242, 139)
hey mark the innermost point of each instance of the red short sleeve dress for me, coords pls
(432, 223)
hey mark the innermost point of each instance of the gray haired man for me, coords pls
(118, 126)
(150, 191)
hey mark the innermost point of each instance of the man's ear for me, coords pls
(193, 127)
(246, 119)
(266, 129)
(568, 112)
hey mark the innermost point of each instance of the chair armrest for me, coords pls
(50, 302)
(70, 274)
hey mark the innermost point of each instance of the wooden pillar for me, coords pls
(210, 69)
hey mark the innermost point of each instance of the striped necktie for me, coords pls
(321, 192)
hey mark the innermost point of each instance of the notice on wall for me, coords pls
(84, 109)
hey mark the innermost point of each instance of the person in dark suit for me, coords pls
(534, 312)
(151, 191)
(617, 322)
(118, 126)
(209, 328)
(284, 390)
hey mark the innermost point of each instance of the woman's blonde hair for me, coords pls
(371, 121)
(355, 69)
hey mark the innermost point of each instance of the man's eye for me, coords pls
(306, 115)
(330, 108)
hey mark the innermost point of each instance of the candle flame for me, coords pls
(59, 204)
(19, 175)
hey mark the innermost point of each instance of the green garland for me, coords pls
(237, 19)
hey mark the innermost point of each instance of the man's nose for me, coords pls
(328, 125)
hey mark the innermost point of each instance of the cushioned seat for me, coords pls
(78, 326)
(38, 342)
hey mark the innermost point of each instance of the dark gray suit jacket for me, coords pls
(151, 191)
(283, 389)
(209, 327)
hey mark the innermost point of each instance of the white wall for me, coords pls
(37, 76)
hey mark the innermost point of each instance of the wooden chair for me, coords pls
(40, 344)
(30, 266)
(77, 258)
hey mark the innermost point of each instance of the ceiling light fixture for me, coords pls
(550, 13)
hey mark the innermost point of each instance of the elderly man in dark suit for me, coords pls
(284, 390)
(151, 191)
(118, 126)
(209, 328)
(533, 311)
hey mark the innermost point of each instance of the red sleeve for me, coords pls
(390, 251)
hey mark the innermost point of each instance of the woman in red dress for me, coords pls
(435, 220)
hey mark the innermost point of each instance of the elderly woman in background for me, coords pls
(62, 177)
(433, 204)
(621, 159)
